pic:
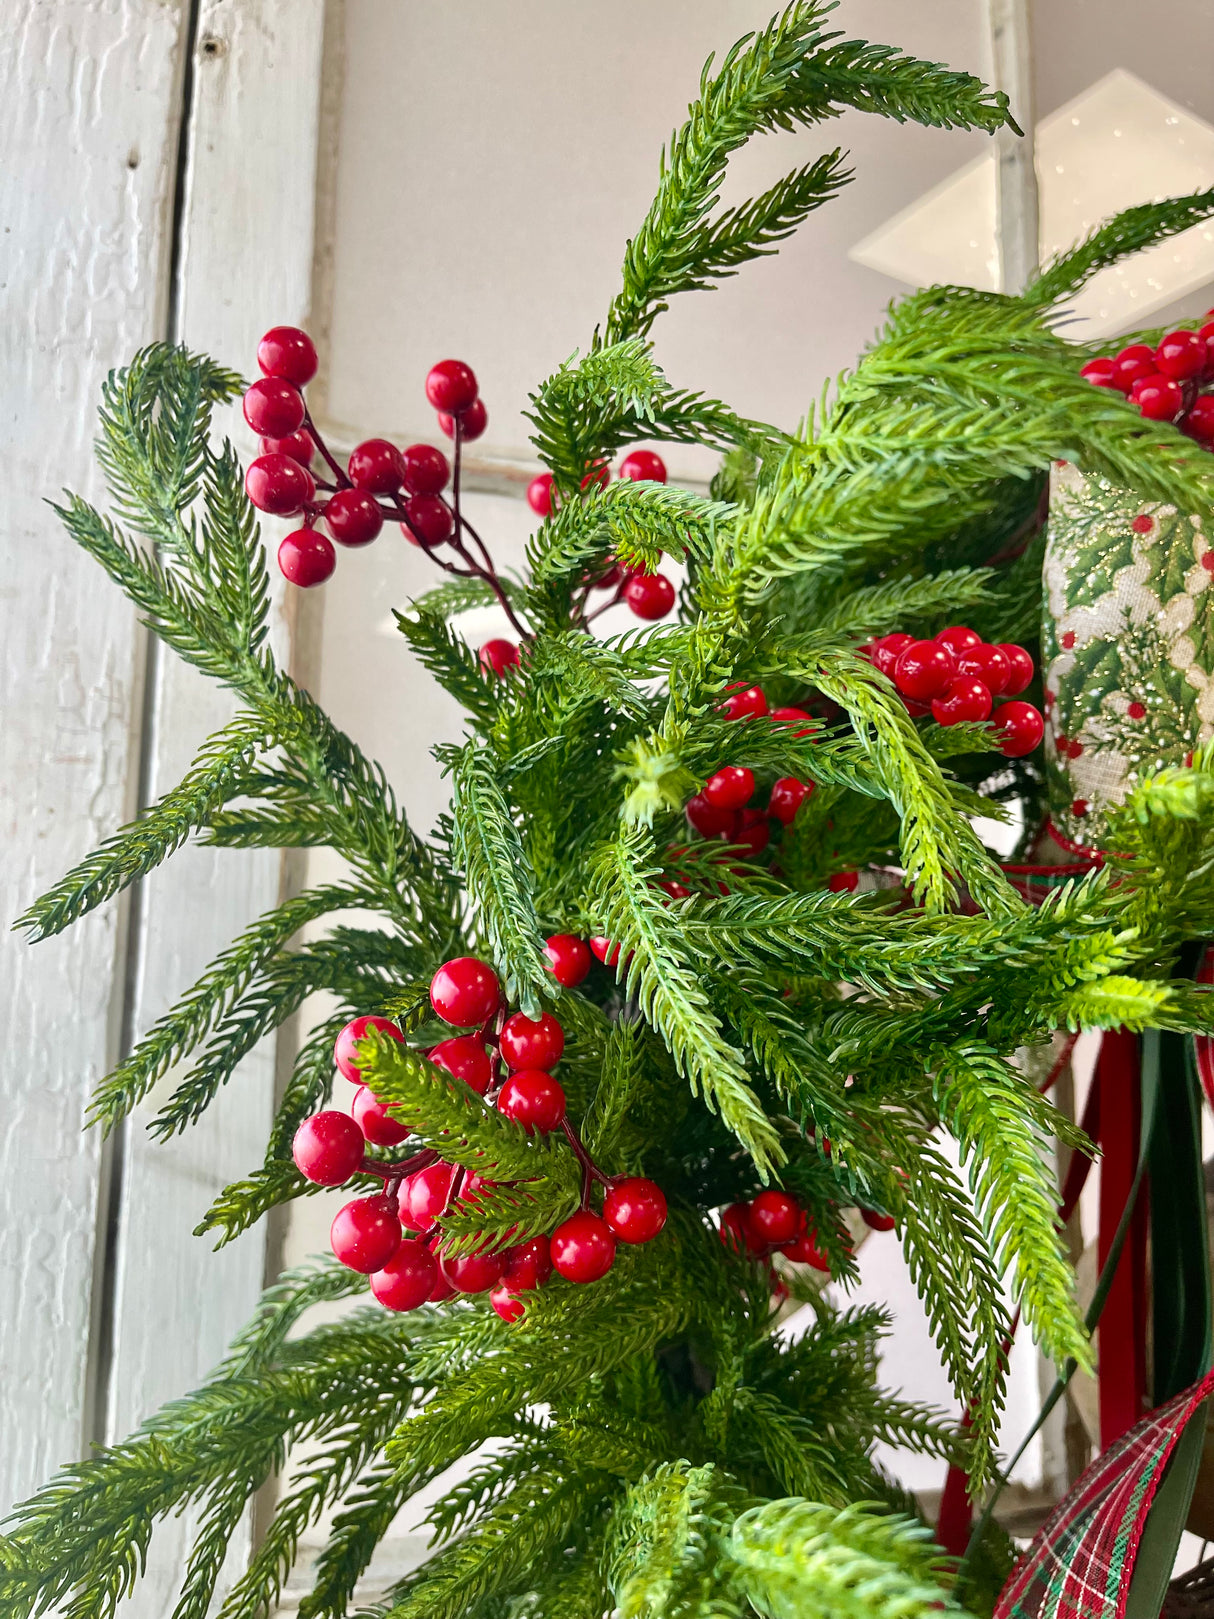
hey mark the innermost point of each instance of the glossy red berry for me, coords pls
(451, 386)
(287, 352)
(730, 788)
(473, 1273)
(299, 446)
(278, 485)
(989, 664)
(528, 1266)
(381, 1127)
(354, 518)
(877, 1221)
(498, 656)
(803, 1250)
(1181, 355)
(649, 595)
(1158, 398)
(533, 1099)
(506, 1304)
(1020, 728)
(751, 831)
(643, 466)
(408, 1279)
(583, 1249)
(1021, 665)
(1132, 364)
(1100, 372)
(273, 407)
(787, 796)
(465, 1057)
(605, 950)
(345, 1047)
(1198, 421)
(598, 477)
(734, 1231)
(540, 495)
(472, 422)
(376, 466)
(425, 1194)
(531, 1042)
(708, 820)
(366, 1233)
(924, 670)
(785, 716)
(328, 1148)
(634, 1209)
(886, 652)
(743, 702)
(958, 638)
(774, 1216)
(306, 557)
(425, 469)
(428, 520)
(442, 1289)
(965, 699)
(568, 958)
(844, 882)
(465, 991)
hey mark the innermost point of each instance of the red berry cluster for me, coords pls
(957, 675)
(648, 595)
(393, 1236)
(721, 809)
(774, 1222)
(1165, 382)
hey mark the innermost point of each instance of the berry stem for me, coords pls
(408, 1166)
(343, 481)
(590, 1170)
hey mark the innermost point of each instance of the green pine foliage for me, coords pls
(653, 1444)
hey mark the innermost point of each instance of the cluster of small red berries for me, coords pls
(648, 595)
(392, 1236)
(722, 808)
(956, 676)
(1165, 382)
(774, 1222)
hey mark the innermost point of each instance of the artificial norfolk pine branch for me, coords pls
(761, 1023)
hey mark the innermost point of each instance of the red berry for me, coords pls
(366, 1233)
(506, 1304)
(465, 1057)
(533, 1099)
(278, 485)
(527, 1043)
(583, 1249)
(1158, 398)
(675, 890)
(273, 407)
(958, 638)
(499, 656)
(989, 664)
(381, 1127)
(473, 1273)
(306, 557)
(1021, 668)
(328, 1148)
(376, 466)
(751, 831)
(924, 670)
(876, 1221)
(1100, 372)
(966, 699)
(803, 1250)
(353, 517)
(1132, 364)
(735, 1232)
(1181, 355)
(643, 466)
(442, 1289)
(1198, 421)
(528, 1266)
(886, 651)
(425, 1194)
(774, 1216)
(634, 1209)
(299, 446)
(1020, 728)
(784, 716)
(731, 788)
(425, 469)
(408, 1279)
(787, 796)
(465, 991)
(568, 958)
(540, 496)
(287, 352)
(428, 520)
(451, 386)
(605, 951)
(708, 820)
(743, 702)
(1137, 711)
(472, 422)
(598, 477)
(649, 595)
(844, 882)
(345, 1052)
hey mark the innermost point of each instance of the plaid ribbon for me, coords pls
(1082, 1560)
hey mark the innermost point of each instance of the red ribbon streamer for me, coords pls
(1123, 1322)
